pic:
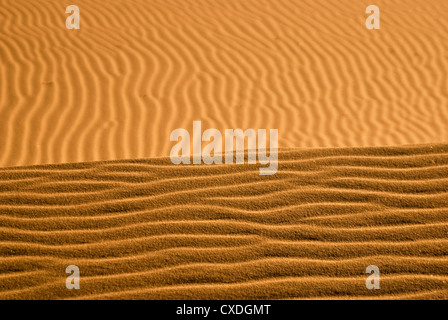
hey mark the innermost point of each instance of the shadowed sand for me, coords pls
(150, 229)
(138, 69)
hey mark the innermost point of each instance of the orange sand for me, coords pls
(140, 227)
(138, 69)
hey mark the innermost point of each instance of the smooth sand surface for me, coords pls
(147, 229)
(137, 69)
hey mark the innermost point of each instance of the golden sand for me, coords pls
(85, 123)
(147, 229)
(138, 69)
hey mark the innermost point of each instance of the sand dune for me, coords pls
(138, 69)
(149, 229)
(85, 123)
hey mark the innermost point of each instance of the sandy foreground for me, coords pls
(148, 229)
(85, 123)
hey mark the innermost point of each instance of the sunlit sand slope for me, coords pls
(148, 229)
(138, 69)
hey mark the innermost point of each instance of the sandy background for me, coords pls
(136, 70)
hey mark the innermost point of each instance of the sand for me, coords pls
(147, 229)
(138, 69)
(85, 121)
